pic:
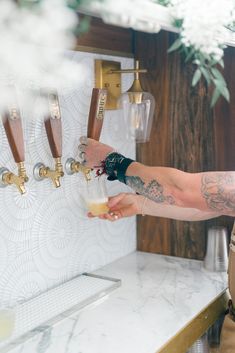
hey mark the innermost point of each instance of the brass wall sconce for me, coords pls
(53, 128)
(13, 128)
(136, 104)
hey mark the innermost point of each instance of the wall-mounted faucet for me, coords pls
(54, 134)
(13, 128)
(95, 122)
(72, 166)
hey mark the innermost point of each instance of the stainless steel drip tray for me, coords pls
(56, 304)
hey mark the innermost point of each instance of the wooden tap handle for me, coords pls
(53, 125)
(13, 126)
(96, 113)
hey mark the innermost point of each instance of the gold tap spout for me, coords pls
(53, 174)
(9, 178)
(76, 167)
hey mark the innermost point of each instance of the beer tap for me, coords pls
(95, 122)
(53, 128)
(13, 127)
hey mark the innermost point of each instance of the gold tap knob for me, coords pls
(72, 166)
(42, 172)
(9, 178)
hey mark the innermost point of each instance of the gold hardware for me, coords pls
(53, 174)
(103, 79)
(108, 75)
(78, 167)
(197, 326)
(72, 166)
(10, 178)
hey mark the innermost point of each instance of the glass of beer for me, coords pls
(97, 196)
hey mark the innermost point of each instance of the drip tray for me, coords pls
(56, 304)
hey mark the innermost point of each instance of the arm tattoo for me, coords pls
(153, 190)
(218, 189)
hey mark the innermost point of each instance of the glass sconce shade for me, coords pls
(138, 110)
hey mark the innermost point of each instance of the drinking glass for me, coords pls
(96, 196)
(216, 258)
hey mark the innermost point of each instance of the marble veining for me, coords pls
(158, 297)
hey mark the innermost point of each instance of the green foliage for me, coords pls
(176, 45)
(83, 26)
(163, 2)
(28, 3)
(207, 67)
(73, 4)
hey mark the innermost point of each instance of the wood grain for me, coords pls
(14, 132)
(96, 113)
(182, 137)
(151, 50)
(104, 36)
(54, 135)
(192, 146)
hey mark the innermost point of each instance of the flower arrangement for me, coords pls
(202, 26)
(202, 37)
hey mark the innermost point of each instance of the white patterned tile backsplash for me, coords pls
(45, 236)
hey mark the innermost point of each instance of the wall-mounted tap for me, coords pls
(54, 134)
(72, 166)
(13, 128)
(95, 122)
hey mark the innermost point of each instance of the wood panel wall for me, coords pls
(182, 137)
(154, 234)
(107, 38)
(186, 133)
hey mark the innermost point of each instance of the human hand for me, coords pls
(93, 152)
(122, 205)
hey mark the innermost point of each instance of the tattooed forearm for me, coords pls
(218, 189)
(152, 190)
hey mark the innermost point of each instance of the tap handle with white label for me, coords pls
(96, 113)
(53, 125)
(13, 126)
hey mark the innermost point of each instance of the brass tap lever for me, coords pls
(41, 172)
(72, 166)
(9, 178)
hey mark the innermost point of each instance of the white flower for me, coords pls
(204, 22)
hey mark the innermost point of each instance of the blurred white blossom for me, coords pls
(33, 45)
(126, 13)
(203, 23)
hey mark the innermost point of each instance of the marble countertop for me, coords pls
(158, 297)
